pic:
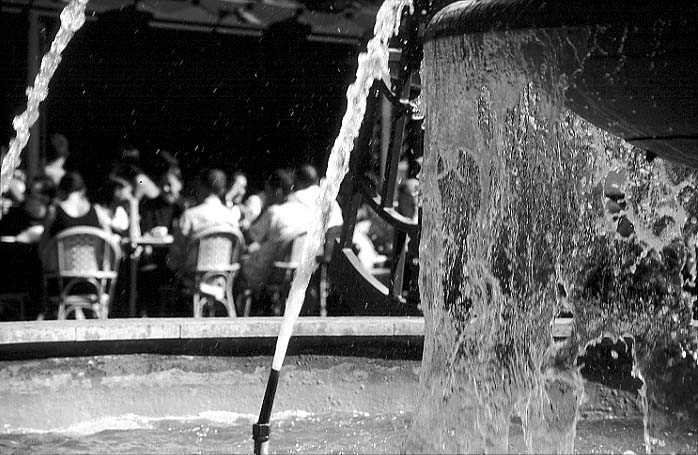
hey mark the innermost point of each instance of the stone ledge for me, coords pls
(25, 332)
(188, 328)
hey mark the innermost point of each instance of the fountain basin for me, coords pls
(361, 401)
(636, 75)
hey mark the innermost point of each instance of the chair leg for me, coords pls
(103, 304)
(246, 300)
(102, 309)
(197, 305)
(61, 311)
(229, 299)
(22, 313)
(323, 290)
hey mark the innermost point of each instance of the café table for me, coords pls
(135, 247)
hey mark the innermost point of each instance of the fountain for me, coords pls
(533, 209)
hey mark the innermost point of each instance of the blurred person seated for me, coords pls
(56, 156)
(26, 222)
(164, 210)
(158, 217)
(363, 245)
(210, 211)
(72, 208)
(166, 162)
(307, 192)
(129, 168)
(408, 199)
(22, 227)
(121, 207)
(408, 204)
(14, 196)
(253, 207)
(17, 190)
(280, 223)
(235, 196)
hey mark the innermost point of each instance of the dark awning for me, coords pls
(328, 20)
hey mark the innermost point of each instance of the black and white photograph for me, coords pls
(348, 227)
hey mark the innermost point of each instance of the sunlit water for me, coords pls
(300, 432)
(372, 66)
(519, 226)
(72, 19)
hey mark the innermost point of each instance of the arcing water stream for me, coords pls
(72, 18)
(373, 65)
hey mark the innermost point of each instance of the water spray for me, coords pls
(72, 19)
(373, 65)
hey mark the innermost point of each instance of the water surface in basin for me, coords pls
(198, 404)
(299, 432)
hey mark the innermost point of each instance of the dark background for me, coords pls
(233, 102)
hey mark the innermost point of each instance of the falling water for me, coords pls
(72, 18)
(517, 227)
(373, 65)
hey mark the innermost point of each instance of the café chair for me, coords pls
(321, 279)
(83, 262)
(215, 253)
(278, 284)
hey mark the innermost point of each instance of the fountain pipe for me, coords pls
(373, 65)
(260, 430)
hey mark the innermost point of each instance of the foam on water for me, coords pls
(139, 422)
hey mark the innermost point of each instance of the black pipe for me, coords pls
(261, 430)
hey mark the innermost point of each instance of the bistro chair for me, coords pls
(278, 284)
(83, 262)
(215, 253)
(320, 279)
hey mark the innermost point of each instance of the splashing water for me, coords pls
(373, 65)
(72, 18)
(517, 227)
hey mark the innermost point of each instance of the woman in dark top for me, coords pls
(73, 208)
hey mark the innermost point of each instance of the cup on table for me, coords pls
(159, 231)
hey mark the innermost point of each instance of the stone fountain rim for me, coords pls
(449, 18)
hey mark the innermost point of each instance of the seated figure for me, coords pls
(158, 217)
(210, 211)
(235, 196)
(166, 209)
(72, 208)
(307, 192)
(281, 222)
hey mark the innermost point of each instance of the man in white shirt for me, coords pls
(281, 222)
(307, 192)
(211, 188)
